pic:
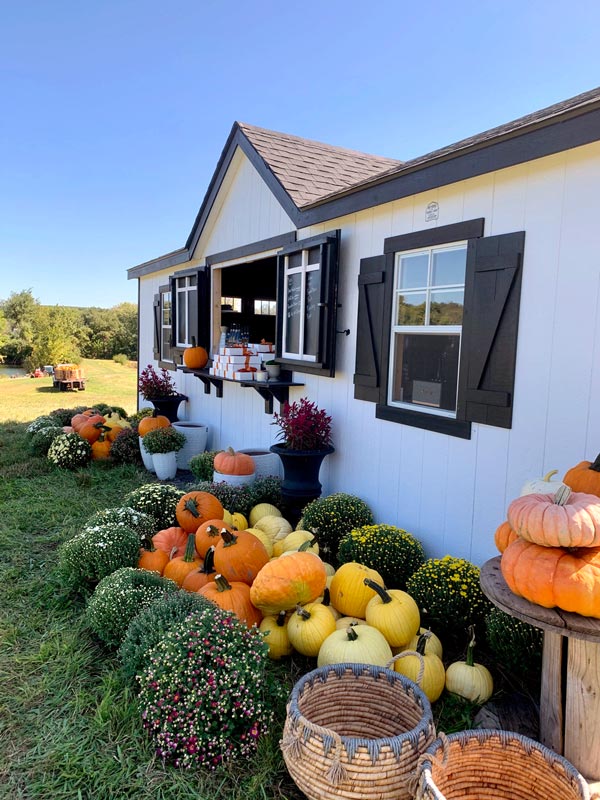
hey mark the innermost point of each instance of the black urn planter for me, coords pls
(169, 405)
(300, 482)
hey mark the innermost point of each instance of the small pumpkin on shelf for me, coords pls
(195, 357)
(468, 679)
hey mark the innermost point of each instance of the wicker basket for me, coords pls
(355, 731)
(495, 765)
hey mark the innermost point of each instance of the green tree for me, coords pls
(19, 313)
(55, 336)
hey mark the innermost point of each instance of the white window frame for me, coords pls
(302, 269)
(183, 298)
(164, 327)
(425, 329)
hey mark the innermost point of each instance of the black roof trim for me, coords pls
(156, 264)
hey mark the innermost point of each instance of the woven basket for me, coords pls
(355, 731)
(495, 765)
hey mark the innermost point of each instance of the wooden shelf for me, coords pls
(278, 389)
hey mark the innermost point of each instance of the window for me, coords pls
(231, 304)
(163, 326)
(437, 328)
(266, 308)
(186, 294)
(427, 316)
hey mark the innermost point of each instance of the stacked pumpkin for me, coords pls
(100, 431)
(550, 544)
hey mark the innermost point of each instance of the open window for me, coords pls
(437, 328)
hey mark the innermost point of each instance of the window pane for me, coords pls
(449, 267)
(166, 344)
(292, 322)
(311, 317)
(426, 369)
(192, 317)
(166, 308)
(193, 280)
(314, 255)
(413, 271)
(181, 318)
(446, 308)
(411, 309)
(295, 259)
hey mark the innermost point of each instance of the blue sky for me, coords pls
(115, 112)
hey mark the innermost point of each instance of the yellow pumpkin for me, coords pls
(409, 663)
(393, 612)
(264, 538)
(308, 627)
(349, 594)
(354, 644)
(274, 629)
(294, 540)
(239, 521)
(432, 646)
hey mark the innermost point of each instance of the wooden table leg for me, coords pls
(582, 708)
(551, 694)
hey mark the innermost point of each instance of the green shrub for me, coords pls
(233, 498)
(126, 447)
(516, 645)
(205, 696)
(93, 554)
(45, 421)
(202, 465)
(105, 408)
(135, 418)
(63, 416)
(393, 552)
(330, 518)
(149, 626)
(158, 500)
(143, 524)
(119, 597)
(266, 490)
(40, 442)
(69, 451)
(449, 597)
(120, 358)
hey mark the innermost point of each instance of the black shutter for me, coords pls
(203, 334)
(157, 331)
(368, 375)
(489, 334)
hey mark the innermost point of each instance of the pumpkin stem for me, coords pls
(302, 612)
(422, 642)
(385, 596)
(223, 584)
(595, 465)
(306, 545)
(326, 597)
(281, 619)
(231, 451)
(209, 561)
(191, 506)
(351, 633)
(228, 538)
(190, 547)
(471, 647)
(148, 544)
(561, 496)
(193, 341)
(552, 472)
(172, 553)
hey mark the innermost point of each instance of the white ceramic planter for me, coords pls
(196, 436)
(234, 480)
(146, 457)
(266, 463)
(165, 465)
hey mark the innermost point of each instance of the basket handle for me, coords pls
(291, 743)
(404, 653)
(417, 775)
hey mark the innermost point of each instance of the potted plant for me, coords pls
(273, 369)
(159, 388)
(163, 444)
(305, 431)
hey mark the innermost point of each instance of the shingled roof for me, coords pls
(309, 170)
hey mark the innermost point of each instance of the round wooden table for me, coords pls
(570, 690)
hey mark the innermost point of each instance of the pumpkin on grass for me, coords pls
(468, 679)
(194, 508)
(171, 541)
(91, 431)
(286, 582)
(234, 597)
(153, 423)
(308, 627)
(101, 449)
(197, 578)
(274, 629)
(228, 462)
(180, 566)
(239, 556)
(565, 519)
(409, 663)
(554, 576)
(151, 558)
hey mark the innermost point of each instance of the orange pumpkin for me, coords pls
(113, 432)
(101, 449)
(152, 423)
(564, 519)
(180, 566)
(584, 477)
(209, 533)
(233, 597)
(195, 357)
(91, 431)
(504, 536)
(152, 559)
(169, 540)
(195, 580)
(194, 508)
(286, 582)
(239, 556)
(554, 576)
(228, 462)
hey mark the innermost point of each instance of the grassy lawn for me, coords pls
(23, 399)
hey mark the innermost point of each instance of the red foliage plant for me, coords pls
(303, 426)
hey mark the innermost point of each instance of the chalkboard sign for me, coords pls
(293, 312)
(312, 312)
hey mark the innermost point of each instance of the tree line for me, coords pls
(33, 335)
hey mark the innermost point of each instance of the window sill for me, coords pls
(428, 422)
(268, 390)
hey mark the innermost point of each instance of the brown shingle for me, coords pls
(310, 170)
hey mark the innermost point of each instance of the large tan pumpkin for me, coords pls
(554, 576)
(284, 583)
(565, 519)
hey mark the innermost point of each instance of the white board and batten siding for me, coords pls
(451, 493)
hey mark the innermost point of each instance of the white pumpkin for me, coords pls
(294, 541)
(275, 527)
(262, 510)
(543, 485)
